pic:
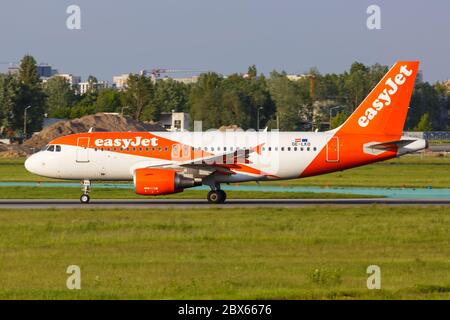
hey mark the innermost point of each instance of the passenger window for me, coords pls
(58, 148)
(51, 148)
(270, 148)
(295, 148)
(289, 148)
(314, 148)
(308, 148)
(282, 148)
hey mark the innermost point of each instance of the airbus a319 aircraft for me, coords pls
(168, 162)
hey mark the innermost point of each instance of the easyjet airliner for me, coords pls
(168, 162)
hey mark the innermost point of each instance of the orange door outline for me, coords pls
(333, 150)
(82, 149)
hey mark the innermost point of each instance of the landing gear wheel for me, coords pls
(85, 188)
(84, 198)
(223, 195)
(216, 196)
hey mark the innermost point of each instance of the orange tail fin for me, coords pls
(383, 111)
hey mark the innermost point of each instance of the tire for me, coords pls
(216, 196)
(84, 198)
(223, 195)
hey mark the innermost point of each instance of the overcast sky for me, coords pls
(225, 36)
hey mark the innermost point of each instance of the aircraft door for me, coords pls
(82, 149)
(333, 150)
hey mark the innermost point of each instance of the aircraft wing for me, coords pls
(222, 163)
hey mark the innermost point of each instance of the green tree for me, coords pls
(292, 100)
(337, 120)
(108, 100)
(356, 84)
(60, 97)
(170, 95)
(138, 97)
(205, 100)
(424, 123)
(427, 99)
(28, 73)
(234, 100)
(252, 72)
(8, 95)
(30, 93)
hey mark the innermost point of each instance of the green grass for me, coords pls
(407, 171)
(302, 253)
(438, 142)
(115, 193)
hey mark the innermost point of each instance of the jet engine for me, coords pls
(153, 181)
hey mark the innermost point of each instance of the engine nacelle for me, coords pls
(161, 181)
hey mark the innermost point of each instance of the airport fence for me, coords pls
(429, 135)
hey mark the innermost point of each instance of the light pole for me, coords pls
(257, 118)
(25, 122)
(123, 108)
(331, 112)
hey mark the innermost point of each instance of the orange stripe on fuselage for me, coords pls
(136, 143)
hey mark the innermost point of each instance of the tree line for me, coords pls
(313, 101)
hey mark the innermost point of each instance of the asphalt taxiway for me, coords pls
(200, 203)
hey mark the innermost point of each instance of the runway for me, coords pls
(200, 203)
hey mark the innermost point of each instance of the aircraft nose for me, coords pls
(31, 164)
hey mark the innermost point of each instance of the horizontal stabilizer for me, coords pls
(392, 144)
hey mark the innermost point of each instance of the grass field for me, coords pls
(407, 171)
(312, 252)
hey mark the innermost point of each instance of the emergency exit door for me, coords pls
(333, 150)
(83, 150)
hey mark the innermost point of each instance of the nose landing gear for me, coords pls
(85, 188)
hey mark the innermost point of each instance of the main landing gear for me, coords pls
(217, 196)
(85, 187)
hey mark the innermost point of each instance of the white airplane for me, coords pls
(168, 162)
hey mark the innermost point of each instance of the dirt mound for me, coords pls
(14, 150)
(99, 122)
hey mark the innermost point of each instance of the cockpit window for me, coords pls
(51, 148)
(58, 148)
